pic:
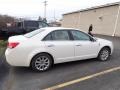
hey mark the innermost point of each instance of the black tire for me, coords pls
(104, 54)
(41, 62)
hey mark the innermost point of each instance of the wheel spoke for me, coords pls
(42, 67)
(43, 58)
(37, 62)
(46, 60)
(39, 58)
(38, 67)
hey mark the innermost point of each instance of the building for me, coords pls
(55, 23)
(105, 19)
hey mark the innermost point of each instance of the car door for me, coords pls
(84, 45)
(58, 43)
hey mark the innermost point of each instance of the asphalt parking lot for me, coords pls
(81, 75)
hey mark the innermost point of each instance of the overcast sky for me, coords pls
(34, 8)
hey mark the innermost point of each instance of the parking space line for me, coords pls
(82, 79)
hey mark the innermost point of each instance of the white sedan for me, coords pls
(44, 47)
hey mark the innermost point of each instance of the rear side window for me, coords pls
(48, 37)
(59, 35)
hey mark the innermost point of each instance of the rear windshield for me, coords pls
(33, 33)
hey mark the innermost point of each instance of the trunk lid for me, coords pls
(17, 38)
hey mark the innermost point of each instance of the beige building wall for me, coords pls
(117, 32)
(70, 20)
(103, 20)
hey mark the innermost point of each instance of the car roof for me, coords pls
(57, 28)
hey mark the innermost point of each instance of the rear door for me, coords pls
(58, 43)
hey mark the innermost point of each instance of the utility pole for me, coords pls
(45, 4)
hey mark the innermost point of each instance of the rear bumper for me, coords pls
(15, 59)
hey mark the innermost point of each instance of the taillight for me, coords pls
(12, 44)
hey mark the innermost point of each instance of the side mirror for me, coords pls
(93, 39)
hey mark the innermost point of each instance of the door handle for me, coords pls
(51, 45)
(78, 45)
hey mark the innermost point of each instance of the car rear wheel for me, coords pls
(41, 62)
(104, 54)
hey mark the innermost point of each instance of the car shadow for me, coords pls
(55, 67)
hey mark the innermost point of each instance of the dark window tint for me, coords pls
(77, 35)
(31, 24)
(48, 37)
(60, 35)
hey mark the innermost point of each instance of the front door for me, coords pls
(83, 46)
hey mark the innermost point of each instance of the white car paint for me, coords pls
(61, 51)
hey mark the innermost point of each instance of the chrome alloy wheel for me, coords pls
(104, 54)
(42, 63)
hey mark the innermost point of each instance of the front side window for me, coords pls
(77, 35)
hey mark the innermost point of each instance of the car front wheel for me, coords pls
(104, 54)
(41, 62)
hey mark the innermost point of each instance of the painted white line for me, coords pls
(82, 79)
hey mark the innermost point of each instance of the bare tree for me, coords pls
(4, 19)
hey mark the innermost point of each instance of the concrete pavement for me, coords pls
(16, 78)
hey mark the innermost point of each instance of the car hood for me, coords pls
(102, 40)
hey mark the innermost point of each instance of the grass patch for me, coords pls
(2, 51)
(3, 45)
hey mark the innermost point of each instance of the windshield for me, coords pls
(33, 33)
